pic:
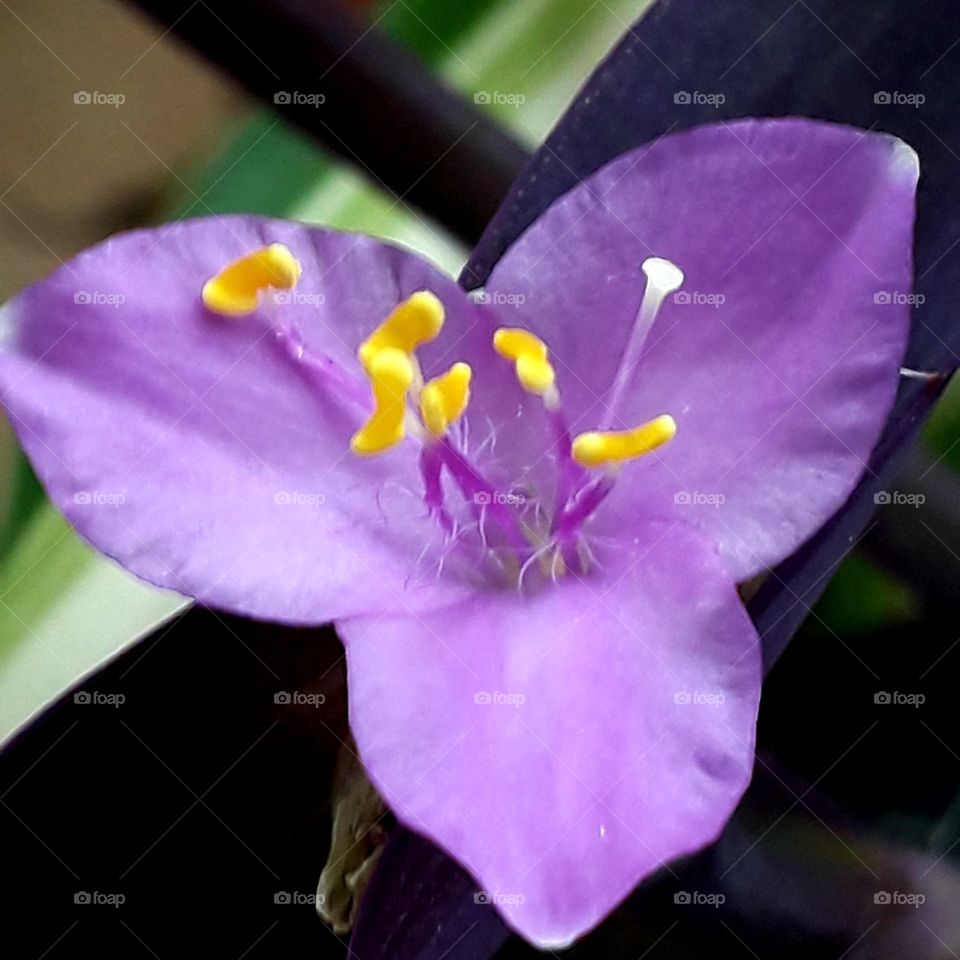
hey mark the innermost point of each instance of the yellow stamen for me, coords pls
(599, 448)
(443, 399)
(236, 289)
(391, 376)
(529, 356)
(415, 321)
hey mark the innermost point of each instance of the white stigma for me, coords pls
(663, 278)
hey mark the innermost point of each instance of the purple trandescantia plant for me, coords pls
(550, 670)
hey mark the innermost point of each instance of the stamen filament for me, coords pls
(431, 468)
(569, 472)
(482, 495)
(568, 521)
(319, 368)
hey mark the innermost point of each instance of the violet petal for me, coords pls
(195, 449)
(564, 746)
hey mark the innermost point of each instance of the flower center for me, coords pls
(587, 465)
(521, 533)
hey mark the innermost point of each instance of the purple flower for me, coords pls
(530, 539)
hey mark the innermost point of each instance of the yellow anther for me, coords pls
(443, 399)
(597, 449)
(515, 342)
(391, 376)
(529, 355)
(236, 289)
(535, 376)
(417, 320)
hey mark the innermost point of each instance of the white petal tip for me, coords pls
(906, 162)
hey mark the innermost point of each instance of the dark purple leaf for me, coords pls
(421, 903)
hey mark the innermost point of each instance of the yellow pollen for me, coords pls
(529, 355)
(598, 449)
(236, 289)
(443, 399)
(391, 376)
(415, 321)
